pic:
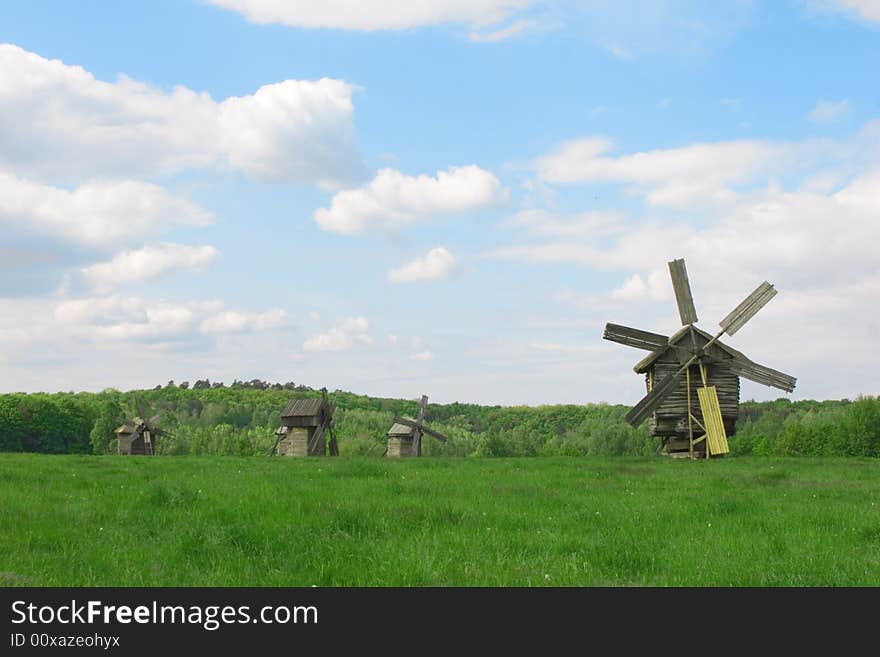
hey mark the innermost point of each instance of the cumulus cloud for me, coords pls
(434, 265)
(148, 263)
(393, 199)
(829, 111)
(370, 15)
(294, 130)
(344, 336)
(96, 213)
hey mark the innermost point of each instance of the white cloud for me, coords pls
(676, 177)
(148, 263)
(654, 286)
(118, 318)
(828, 111)
(294, 130)
(393, 199)
(341, 337)
(121, 318)
(96, 213)
(827, 277)
(434, 265)
(794, 234)
(502, 34)
(236, 322)
(372, 14)
(422, 356)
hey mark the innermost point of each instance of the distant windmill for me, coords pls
(405, 436)
(137, 437)
(305, 426)
(694, 365)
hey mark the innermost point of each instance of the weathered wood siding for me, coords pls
(296, 443)
(399, 446)
(124, 445)
(670, 418)
(131, 445)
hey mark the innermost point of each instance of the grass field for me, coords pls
(211, 521)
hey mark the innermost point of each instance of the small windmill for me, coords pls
(305, 426)
(711, 372)
(137, 437)
(405, 435)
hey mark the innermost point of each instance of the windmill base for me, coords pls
(677, 447)
(399, 446)
(680, 448)
(296, 443)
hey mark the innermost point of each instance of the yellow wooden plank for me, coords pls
(716, 435)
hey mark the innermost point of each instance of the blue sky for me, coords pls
(441, 197)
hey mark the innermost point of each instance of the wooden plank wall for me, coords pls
(671, 416)
(398, 447)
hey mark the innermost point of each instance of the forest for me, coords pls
(240, 419)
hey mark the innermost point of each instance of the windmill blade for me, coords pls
(417, 443)
(635, 337)
(762, 374)
(406, 422)
(319, 435)
(334, 446)
(422, 404)
(436, 434)
(682, 287)
(654, 398)
(748, 308)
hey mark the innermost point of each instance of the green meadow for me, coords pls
(359, 521)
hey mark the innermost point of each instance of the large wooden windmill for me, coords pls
(692, 377)
(305, 426)
(405, 435)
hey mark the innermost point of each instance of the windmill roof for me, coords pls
(398, 429)
(130, 426)
(642, 366)
(302, 407)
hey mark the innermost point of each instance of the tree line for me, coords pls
(240, 419)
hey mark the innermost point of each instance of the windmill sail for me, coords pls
(635, 337)
(748, 308)
(682, 287)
